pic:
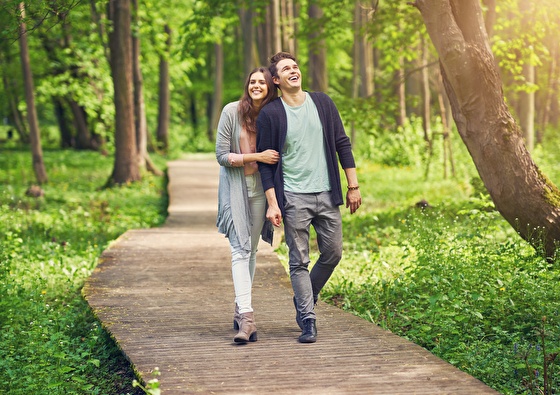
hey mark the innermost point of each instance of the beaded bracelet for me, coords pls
(353, 188)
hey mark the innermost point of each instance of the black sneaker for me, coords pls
(309, 331)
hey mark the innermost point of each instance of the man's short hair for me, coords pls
(277, 58)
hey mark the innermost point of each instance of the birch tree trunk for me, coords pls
(524, 196)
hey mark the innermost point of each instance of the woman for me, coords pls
(241, 199)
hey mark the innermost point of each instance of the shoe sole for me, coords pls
(252, 339)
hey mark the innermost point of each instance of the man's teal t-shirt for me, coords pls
(304, 162)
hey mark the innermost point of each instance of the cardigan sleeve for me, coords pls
(265, 141)
(226, 128)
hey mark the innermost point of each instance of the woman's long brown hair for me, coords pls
(247, 110)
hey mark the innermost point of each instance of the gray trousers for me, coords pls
(301, 211)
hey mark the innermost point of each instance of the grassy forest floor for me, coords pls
(453, 276)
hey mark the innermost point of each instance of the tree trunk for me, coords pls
(426, 106)
(163, 107)
(275, 26)
(426, 98)
(34, 131)
(216, 100)
(288, 26)
(527, 107)
(83, 136)
(66, 139)
(247, 35)
(400, 87)
(367, 67)
(317, 52)
(551, 91)
(490, 18)
(17, 117)
(140, 123)
(521, 193)
(98, 19)
(126, 162)
(527, 96)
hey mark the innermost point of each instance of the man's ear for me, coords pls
(276, 81)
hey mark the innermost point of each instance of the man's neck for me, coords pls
(293, 99)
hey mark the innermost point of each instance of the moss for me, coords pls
(551, 192)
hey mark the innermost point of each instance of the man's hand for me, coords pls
(274, 215)
(353, 200)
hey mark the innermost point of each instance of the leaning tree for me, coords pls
(524, 196)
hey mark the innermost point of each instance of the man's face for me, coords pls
(289, 75)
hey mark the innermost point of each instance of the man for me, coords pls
(304, 187)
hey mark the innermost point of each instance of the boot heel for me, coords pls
(235, 325)
(253, 337)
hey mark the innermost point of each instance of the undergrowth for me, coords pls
(50, 342)
(455, 278)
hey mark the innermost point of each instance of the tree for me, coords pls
(34, 131)
(524, 196)
(317, 51)
(163, 101)
(126, 168)
(140, 122)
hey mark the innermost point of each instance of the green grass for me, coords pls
(454, 278)
(50, 342)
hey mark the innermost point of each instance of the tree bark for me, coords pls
(34, 131)
(400, 88)
(216, 100)
(140, 123)
(247, 34)
(17, 117)
(367, 67)
(126, 167)
(317, 52)
(66, 139)
(490, 18)
(163, 103)
(527, 96)
(524, 196)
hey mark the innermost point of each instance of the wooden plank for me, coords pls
(166, 296)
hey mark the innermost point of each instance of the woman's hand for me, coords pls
(269, 156)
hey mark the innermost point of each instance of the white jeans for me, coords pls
(243, 263)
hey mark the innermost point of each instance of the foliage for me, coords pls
(152, 386)
(453, 277)
(50, 342)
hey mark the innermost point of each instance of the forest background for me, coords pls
(429, 256)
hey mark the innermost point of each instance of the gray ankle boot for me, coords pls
(247, 329)
(236, 318)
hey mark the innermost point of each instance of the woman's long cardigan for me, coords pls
(233, 201)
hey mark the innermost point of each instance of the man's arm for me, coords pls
(273, 213)
(353, 196)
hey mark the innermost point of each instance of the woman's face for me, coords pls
(257, 87)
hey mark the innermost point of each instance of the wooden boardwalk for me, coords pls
(166, 296)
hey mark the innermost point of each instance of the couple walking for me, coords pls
(278, 161)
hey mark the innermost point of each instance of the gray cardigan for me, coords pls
(233, 201)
